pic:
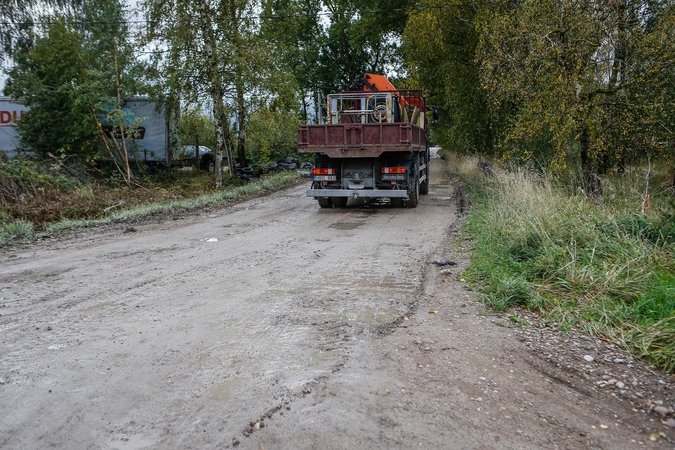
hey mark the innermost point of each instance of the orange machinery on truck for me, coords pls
(373, 144)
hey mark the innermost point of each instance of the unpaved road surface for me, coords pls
(273, 324)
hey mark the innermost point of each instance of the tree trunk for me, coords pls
(619, 61)
(239, 87)
(242, 119)
(173, 112)
(223, 141)
(592, 185)
(616, 76)
(222, 135)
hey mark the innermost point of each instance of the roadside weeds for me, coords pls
(22, 232)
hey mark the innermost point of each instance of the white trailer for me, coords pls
(153, 139)
(10, 112)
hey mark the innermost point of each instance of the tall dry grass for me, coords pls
(606, 267)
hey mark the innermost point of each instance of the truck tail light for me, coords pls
(393, 170)
(323, 171)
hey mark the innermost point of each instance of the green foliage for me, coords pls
(440, 49)
(605, 267)
(197, 199)
(24, 179)
(329, 53)
(47, 79)
(555, 84)
(66, 74)
(297, 38)
(352, 46)
(217, 50)
(586, 76)
(19, 231)
(18, 18)
(272, 134)
(194, 123)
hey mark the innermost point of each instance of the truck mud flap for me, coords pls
(355, 193)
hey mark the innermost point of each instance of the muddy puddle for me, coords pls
(226, 389)
(367, 316)
(347, 226)
(319, 357)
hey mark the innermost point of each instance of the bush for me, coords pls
(25, 179)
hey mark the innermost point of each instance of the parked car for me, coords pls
(207, 157)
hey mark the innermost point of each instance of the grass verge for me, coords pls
(24, 231)
(605, 267)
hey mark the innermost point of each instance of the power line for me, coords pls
(252, 17)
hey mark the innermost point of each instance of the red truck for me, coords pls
(373, 144)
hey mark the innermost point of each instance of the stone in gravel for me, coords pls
(619, 361)
(620, 385)
(662, 410)
(588, 358)
(444, 262)
(671, 423)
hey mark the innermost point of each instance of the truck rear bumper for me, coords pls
(355, 193)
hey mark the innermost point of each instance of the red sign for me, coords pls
(7, 117)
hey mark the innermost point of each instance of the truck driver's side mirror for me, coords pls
(434, 116)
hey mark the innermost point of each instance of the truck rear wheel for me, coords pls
(325, 202)
(414, 195)
(340, 202)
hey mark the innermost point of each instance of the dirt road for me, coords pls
(274, 324)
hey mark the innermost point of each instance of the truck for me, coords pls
(372, 145)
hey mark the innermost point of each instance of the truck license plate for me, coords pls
(324, 178)
(393, 177)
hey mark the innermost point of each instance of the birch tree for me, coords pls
(195, 40)
(583, 74)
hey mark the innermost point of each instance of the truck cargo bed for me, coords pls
(365, 140)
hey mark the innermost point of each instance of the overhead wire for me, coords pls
(251, 17)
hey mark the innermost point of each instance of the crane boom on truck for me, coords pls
(373, 144)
